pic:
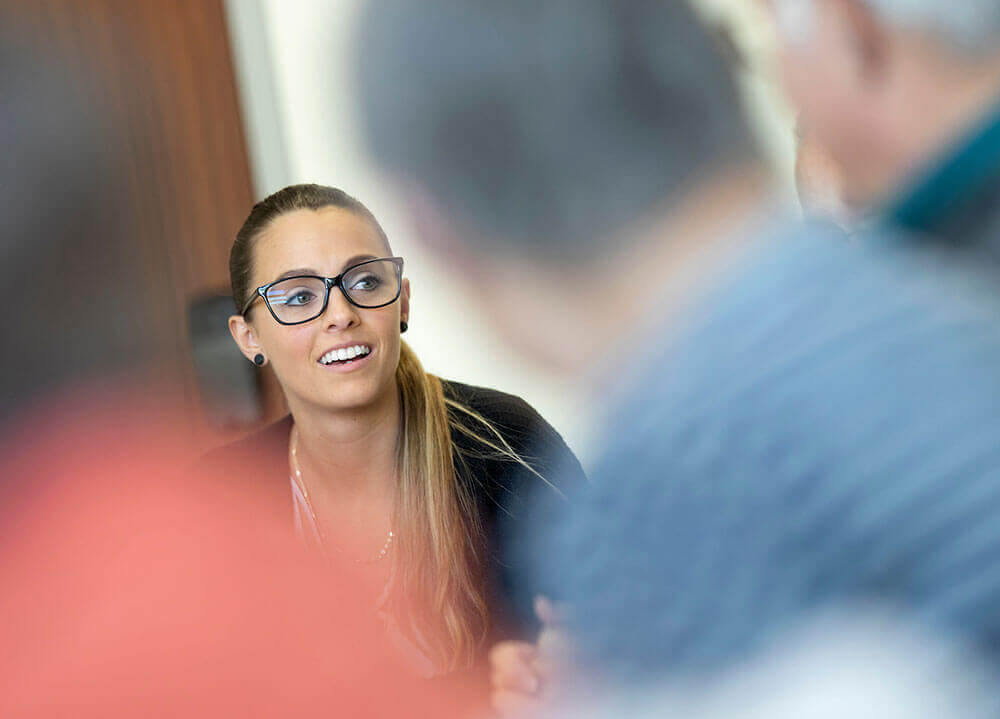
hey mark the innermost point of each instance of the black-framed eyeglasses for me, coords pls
(369, 285)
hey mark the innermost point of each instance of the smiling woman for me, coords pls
(418, 481)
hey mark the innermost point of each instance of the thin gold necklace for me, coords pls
(312, 512)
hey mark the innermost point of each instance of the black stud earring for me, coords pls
(403, 326)
(258, 359)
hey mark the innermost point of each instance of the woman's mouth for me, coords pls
(345, 356)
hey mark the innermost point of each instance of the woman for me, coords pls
(417, 480)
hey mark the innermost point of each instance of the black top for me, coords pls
(511, 500)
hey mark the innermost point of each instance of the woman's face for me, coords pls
(324, 242)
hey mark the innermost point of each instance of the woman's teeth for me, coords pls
(345, 353)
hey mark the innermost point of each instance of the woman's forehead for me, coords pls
(320, 239)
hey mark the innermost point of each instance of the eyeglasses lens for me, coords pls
(298, 299)
(372, 284)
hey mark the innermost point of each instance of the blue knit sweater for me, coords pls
(826, 430)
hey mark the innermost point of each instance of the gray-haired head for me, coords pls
(966, 25)
(546, 123)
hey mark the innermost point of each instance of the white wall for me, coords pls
(292, 62)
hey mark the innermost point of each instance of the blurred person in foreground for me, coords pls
(132, 585)
(796, 422)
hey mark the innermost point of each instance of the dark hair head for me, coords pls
(293, 197)
(547, 123)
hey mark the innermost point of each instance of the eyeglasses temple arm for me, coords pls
(257, 293)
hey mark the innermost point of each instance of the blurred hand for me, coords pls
(525, 676)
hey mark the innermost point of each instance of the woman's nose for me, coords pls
(340, 314)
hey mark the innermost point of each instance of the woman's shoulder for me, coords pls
(529, 435)
(499, 407)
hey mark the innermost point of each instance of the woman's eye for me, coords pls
(369, 282)
(299, 298)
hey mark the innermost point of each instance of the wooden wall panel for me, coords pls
(161, 72)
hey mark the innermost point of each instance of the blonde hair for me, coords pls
(440, 560)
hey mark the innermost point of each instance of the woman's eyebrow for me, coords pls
(356, 259)
(295, 273)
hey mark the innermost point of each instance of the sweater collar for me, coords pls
(963, 174)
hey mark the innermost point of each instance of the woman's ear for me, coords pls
(867, 38)
(244, 336)
(404, 301)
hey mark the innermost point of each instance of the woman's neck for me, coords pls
(350, 451)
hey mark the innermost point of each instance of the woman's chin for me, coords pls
(349, 394)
